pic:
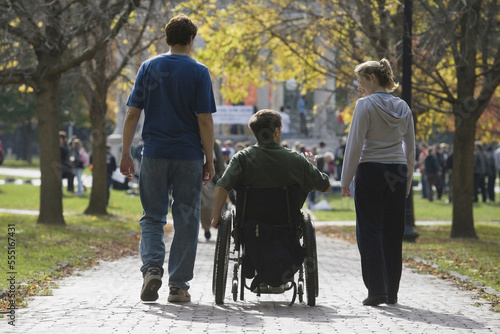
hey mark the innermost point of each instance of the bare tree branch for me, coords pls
(88, 54)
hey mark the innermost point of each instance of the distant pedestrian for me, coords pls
(339, 159)
(423, 153)
(480, 169)
(228, 144)
(322, 163)
(110, 168)
(175, 92)
(433, 173)
(496, 155)
(449, 168)
(79, 159)
(443, 153)
(491, 173)
(302, 110)
(66, 170)
(322, 148)
(380, 155)
(285, 121)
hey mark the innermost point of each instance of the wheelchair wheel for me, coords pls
(221, 259)
(234, 291)
(300, 292)
(310, 262)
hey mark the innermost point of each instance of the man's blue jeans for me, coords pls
(183, 180)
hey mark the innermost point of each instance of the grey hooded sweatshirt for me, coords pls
(381, 131)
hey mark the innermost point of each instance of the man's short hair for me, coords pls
(263, 123)
(179, 30)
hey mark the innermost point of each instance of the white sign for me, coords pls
(232, 114)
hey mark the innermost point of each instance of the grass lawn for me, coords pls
(13, 163)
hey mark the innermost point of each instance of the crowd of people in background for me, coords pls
(74, 160)
(435, 163)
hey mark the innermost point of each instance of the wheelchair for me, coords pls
(271, 241)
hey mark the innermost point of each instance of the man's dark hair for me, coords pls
(179, 30)
(263, 123)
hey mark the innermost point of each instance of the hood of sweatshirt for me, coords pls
(392, 109)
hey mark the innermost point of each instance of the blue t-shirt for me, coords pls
(172, 90)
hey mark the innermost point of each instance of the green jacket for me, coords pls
(270, 165)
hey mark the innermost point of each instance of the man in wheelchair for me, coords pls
(267, 165)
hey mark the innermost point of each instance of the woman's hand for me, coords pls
(345, 191)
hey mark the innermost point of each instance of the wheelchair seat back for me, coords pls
(269, 221)
(273, 206)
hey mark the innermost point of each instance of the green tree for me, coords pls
(99, 75)
(458, 60)
(40, 44)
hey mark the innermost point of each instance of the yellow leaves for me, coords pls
(125, 41)
(488, 125)
(346, 114)
(40, 24)
(10, 64)
(15, 22)
(431, 122)
(126, 71)
(152, 50)
(131, 17)
(25, 89)
(114, 22)
(124, 86)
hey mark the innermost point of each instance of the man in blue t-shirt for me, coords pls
(175, 92)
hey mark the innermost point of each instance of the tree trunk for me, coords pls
(51, 209)
(463, 168)
(97, 93)
(97, 203)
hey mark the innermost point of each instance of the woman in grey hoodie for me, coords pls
(380, 156)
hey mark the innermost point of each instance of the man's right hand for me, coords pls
(311, 158)
(127, 167)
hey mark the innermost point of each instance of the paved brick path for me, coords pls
(105, 299)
